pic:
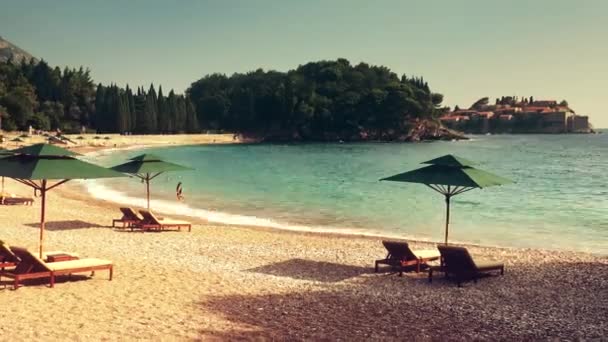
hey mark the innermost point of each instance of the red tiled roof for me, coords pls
(536, 108)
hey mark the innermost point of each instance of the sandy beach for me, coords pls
(229, 282)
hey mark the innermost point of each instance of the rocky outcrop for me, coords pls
(10, 51)
(427, 130)
(414, 131)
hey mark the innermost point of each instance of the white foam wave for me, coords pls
(104, 192)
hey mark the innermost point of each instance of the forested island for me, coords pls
(321, 101)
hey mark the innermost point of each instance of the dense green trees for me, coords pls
(48, 98)
(324, 100)
(119, 110)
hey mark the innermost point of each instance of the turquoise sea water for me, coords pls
(559, 200)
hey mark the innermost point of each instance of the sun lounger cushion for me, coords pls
(486, 265)
(426, 253)
(76, 264)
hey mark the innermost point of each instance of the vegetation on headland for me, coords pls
(326, 100)
(34, 94)
(320, 101)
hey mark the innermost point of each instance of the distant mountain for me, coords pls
(8, 49)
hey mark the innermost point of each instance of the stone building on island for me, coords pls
(510, 115)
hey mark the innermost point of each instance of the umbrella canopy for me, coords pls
(38, 164)
(147, 167)
(450, 176)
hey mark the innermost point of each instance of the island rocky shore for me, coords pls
(415, 131)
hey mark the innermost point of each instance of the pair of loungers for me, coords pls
(148, 221)
(20, 264)
(456, 262)
(11, 199)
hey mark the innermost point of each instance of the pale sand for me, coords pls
(223, 282)
(121, 141)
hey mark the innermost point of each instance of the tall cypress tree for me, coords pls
(131, 104)
(140, 116)
(182, 124)
(172, 110)
(100, 105)
(163, 115)
(191, 118)
(124, 113)
(151, 111)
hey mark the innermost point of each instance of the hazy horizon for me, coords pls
(465, 50)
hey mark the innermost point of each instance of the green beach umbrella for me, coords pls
(450, 176)
(38, 164)
(147, 167)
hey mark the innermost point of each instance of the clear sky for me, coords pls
(466, 49)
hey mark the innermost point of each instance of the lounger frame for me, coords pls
(129, 218)
(30, 267)
(150, 221)
(17, 278)
(401, 256)
(458, 264)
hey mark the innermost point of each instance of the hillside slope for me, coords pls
(8, 49)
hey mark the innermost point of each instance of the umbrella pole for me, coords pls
(43, 206)
(447, 216)
(148, 189)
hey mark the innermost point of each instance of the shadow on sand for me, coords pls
(7, 284)
(530, 302)
(312, 270)
(65, 225)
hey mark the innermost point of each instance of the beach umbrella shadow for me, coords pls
(65, 225)
(312, 270)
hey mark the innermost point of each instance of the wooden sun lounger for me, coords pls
(13, 200)
(32, 267)
(458, 263)
(129, 218)
(7, 257)
(150, 221)
(401, 256)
